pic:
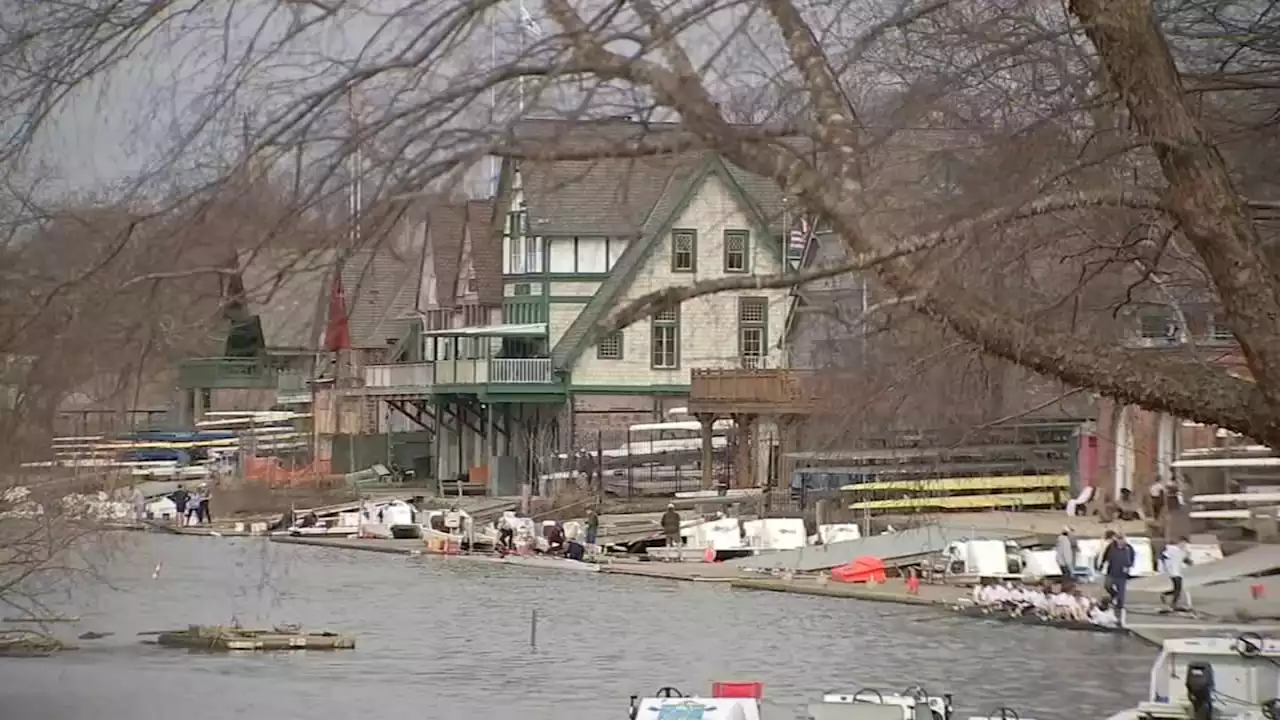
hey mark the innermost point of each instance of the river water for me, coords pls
(444, 640)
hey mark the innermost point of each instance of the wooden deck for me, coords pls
(762, 392)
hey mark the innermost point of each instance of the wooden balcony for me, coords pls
(754, 391)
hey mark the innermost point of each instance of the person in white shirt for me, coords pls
(1061, 605)
(1103, 615)
(1175, 559)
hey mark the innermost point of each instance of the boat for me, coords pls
(743, 701)
(725, 538)
(1212, 677)
(218, 638)
(982, 613)
(546, 561)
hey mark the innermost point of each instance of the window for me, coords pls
(684, 251)
(610, 347)
(521, 289)
(666, 340)
(1158, 323)
(473, 286)
(753, 331)
(735, 251)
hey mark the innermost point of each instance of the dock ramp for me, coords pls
(1254, 562)
(895, 549)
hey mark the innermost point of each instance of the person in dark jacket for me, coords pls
(671, 526)
(180, 498)
(1117, 561)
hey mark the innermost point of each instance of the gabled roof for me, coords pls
(486, 250)
(615, 195)
(288, 291)
(381, 289)
(680, 189)
(444, 223)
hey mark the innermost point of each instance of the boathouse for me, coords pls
(473, 326)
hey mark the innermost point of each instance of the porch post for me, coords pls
(490, 441)
(439, 458)
(708, 462)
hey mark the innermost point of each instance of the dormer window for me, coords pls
(1219, 332)
(1159, 323)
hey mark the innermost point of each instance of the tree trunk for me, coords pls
(1210, 212)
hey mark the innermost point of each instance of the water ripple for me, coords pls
(447, 639)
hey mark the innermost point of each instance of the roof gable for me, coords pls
(441, 246)
(675, 198)
(381, 289)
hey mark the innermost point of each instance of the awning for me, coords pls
(525, 330)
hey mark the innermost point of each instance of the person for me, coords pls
(671, 526)
(555, 539)
(1117, 561)
(193, 507)
(1157, 500)
(1103, 615)
(139, 504)
(180, 498)
(1128, 509)
(202, 514)
(506, 531)
(593, 526)
(1064, 553)
(1175, 558)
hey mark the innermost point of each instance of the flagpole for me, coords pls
(493, 95)
(524, 19)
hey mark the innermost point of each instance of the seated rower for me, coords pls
(1062, 606)
(1103, 615)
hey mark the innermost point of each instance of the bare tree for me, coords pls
(1085, 168)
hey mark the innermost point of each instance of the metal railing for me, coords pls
(533, 371)
(226, 372)
(457, 372)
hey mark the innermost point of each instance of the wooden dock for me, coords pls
(214, 638)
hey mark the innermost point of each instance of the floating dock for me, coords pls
(215, 638)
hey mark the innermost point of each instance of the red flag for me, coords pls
(337, 335)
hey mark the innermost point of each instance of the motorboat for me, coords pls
(1205, 677)
(743, 701)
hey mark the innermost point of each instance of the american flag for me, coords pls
(800, 234)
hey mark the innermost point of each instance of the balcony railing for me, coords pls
(518, 371)
(418, 377)
(533, 371)
(228, 373)
(404, 377)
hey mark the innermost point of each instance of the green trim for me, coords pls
(693, 250)
(622, 353)
(753, 212)
(569, 299)
(745, 235)
(556, 277)
(524, 309)
(578, 336)
(629, 389)
(654, 324)
(762, 326)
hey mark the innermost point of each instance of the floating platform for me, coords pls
(215, 638)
